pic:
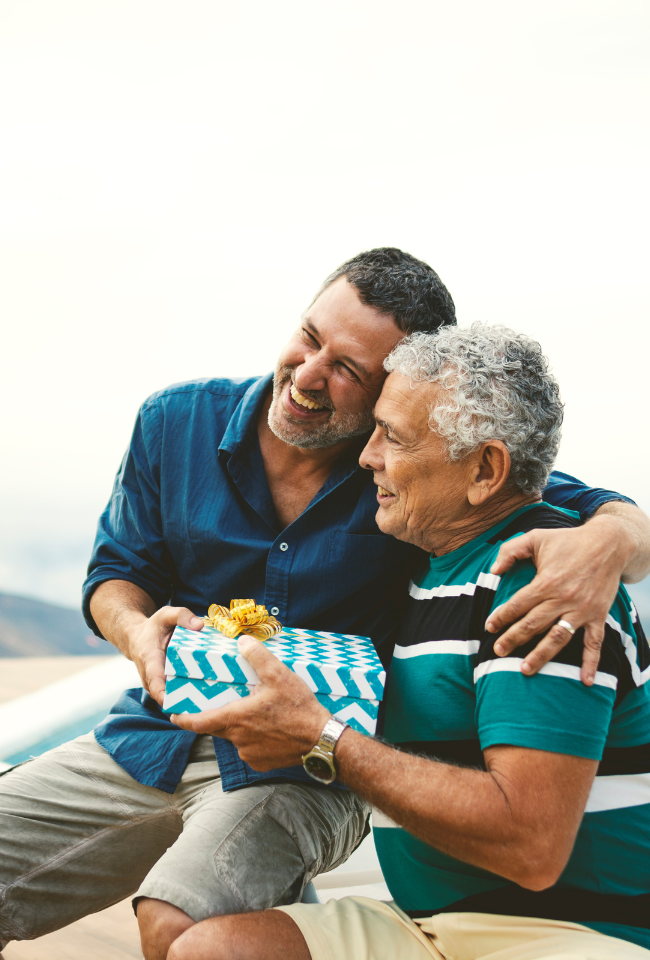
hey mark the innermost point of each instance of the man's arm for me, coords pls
(128, 618)
(578, 573)
(518, 819)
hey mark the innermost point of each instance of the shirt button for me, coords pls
(284, 546)
(275, 611)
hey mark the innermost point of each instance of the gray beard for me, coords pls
(337, 429)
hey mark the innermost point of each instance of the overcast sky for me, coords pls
(176, 179)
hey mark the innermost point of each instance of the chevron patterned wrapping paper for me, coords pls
(205, 670)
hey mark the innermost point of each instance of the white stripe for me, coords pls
(188, 692)
(513, 665)
(354, 711)
(613, 793)
(380, 819)
(488, 580)
(630, 652)
(462, 647)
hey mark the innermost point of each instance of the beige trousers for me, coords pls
(357, 928)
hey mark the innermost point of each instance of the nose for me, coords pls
(311, 373)
(371, 457)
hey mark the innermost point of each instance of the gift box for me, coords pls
(205, 670)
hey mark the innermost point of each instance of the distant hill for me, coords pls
(31, 628)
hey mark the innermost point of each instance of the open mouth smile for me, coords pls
(384, 495)
(302, 405)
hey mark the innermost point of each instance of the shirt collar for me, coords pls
(246, 414)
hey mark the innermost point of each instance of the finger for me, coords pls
(156, 689)
(594, 636)
(554, 641)
(520, 604)
(152, 672)
(265, 664)
(179, 616)
(519, 548)
(535, 621)
(208, 721)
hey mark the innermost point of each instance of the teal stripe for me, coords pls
(431, 698)
(523, 712)
(618, 843)
(420, 877)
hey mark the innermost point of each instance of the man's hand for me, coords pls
(128, 618)
(273, 727)
(578, 574)
(148, 642)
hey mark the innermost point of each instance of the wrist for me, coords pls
(617, 534)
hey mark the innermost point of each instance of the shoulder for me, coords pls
(191, 391)
(542, 516)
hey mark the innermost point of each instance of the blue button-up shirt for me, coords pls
(191, 521)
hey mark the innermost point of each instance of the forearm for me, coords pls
(117, 606)
(633, 537)
(462, 812)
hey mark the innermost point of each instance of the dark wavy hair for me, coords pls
(401, 286)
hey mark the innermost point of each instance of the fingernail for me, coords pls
(526, 668)
(196, 622)
(489, 626)
(499, 649)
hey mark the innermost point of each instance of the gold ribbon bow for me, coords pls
(244, 616)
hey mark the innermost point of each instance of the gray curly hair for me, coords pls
(498, 387)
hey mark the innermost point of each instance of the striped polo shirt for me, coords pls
(450, 697)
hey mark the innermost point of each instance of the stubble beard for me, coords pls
(338, 428)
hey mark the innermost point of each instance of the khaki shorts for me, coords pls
(77, 834)
(357, 928)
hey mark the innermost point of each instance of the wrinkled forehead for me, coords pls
(405, 405)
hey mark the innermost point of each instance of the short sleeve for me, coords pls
(129, 544)
(552, 710)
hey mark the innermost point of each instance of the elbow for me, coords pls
(539, 866)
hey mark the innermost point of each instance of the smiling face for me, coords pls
(422, 496)
(329, 375)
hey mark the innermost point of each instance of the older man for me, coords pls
(252, 488)
(515, 814)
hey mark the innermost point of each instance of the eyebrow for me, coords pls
(390, 428)
(351, 362)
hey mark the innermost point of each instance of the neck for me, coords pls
(481, 518)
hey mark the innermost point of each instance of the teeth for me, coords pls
(305, 401)
(383, 492)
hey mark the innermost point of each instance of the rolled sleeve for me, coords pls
(568, 492)
(129, 544)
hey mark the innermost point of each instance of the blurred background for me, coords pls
(177, 179)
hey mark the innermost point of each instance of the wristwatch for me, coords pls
(319, 762)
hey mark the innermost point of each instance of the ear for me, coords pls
(490, 470)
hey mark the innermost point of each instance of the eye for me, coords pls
(310, 338)
(347, 372)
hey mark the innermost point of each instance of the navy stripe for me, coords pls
(462, 753)
(620, 760)
(446, 618)
(542, 516)
(556, 903)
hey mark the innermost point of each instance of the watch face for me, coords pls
(318, 767)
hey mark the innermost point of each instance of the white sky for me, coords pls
(176, 179)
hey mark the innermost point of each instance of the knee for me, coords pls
(160, 924)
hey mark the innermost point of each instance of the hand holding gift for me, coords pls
(208, 669)
(274, 727)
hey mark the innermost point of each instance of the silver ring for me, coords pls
(567, 626)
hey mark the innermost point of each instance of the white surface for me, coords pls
(28, 719)
(177, 179)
